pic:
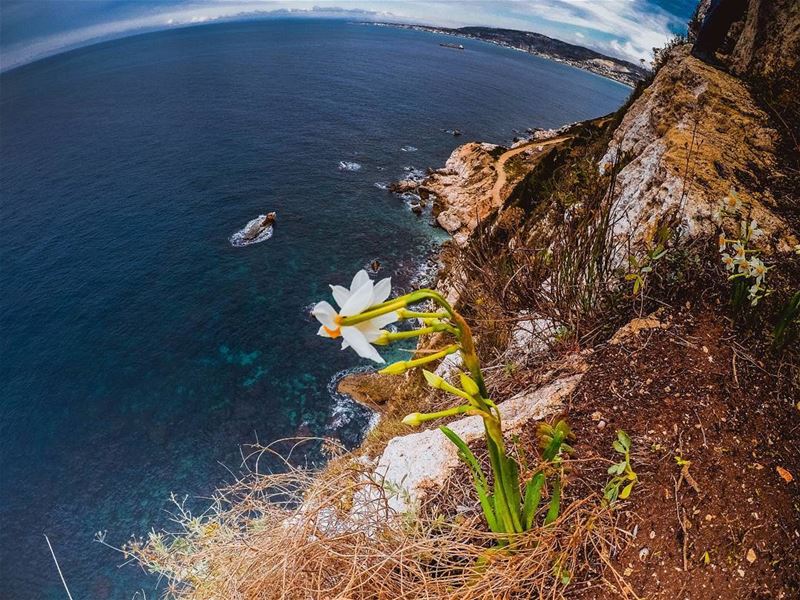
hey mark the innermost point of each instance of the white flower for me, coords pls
(757, 269)
(362, 295)
(753, 293)
(752, 229)
(728, 261)
(742, 266)
(723, 243)
(739, 251)
(731, 202)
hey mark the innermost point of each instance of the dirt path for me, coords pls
(506, 156)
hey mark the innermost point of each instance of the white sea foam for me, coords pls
(414, 173)
(409, 148)
(240, 238)
(349, 166)
(381, 185)
(410, 197)
(344, 408)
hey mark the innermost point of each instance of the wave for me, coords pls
(349, 166)
(414, 173)
(410, 197)
(409, 148)
(241, 238)
(381, 185)
(345, 409)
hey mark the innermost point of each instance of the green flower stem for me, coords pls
(458, 410)
(507, 498)
(411, 314)
(506, 479)
(388, 337)
(405, 365)
(375, 311)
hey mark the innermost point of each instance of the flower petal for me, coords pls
(370, 332)
(341, 294)
(383, 320)
(359, 300)
(323, 332)
(325, 314)
(382, 290)
(359, 343)
(360, 279)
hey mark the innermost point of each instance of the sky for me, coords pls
(628, 29)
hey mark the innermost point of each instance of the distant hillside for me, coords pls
(542, 45)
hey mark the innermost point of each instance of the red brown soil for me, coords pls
(691, 391)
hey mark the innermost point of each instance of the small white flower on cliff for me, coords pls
(757, 269)
(723, 243)
(362, 295)
(739, 253)
(753, 230)
(731, 202)
(728, 261)
(753, 293)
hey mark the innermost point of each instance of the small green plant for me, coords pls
(365, 309)
(748, 271)
(640, 268)
(623, 478)
(787, 322)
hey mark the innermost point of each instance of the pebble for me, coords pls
(601, 424)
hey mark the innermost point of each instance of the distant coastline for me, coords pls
(540, 45)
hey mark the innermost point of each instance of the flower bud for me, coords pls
(433, 379)
(469, 385)
(413, 420)
(397, 368)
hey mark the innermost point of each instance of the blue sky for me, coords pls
(32, 29)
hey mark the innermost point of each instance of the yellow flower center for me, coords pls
(334, 333)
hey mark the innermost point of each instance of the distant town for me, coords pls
(544, 46)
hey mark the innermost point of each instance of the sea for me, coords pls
(142, 349)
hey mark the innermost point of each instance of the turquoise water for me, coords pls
(139, 348)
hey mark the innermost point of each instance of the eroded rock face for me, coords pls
(463, 188)
(690, 138)
(415, 465)
(769, 42)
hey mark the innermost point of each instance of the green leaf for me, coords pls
(478, 478)
(637, 285)
(618, 447)
(533, 497)
(555, 503)
(624, 439)
(617, 468)
(626, 491)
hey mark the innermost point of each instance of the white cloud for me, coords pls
(624, 28)
(628, 28)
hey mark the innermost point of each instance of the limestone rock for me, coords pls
(695, 133)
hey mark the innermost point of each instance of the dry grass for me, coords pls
(555, 263)
(303, 535)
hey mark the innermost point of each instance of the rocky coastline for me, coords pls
(618, 70)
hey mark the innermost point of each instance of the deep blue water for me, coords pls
(139, 349)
